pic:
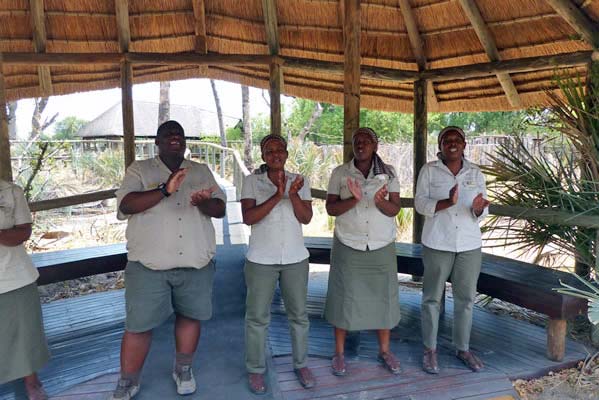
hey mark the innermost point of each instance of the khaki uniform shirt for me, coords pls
(278, 237)
(173, 233)
(364, 227)
(16, 268)
(456, 228)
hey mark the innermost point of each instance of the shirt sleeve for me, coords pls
(218, 193)
(131, 183)
(482, 188)
(22, 212)
(305, 192)
(335, 182)
(422, 202)
(393, 182)
(248, 189)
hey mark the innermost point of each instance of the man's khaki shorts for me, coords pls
(152, 296)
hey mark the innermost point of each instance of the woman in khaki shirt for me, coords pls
(363, 195)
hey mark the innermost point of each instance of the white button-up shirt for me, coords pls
(364, 226)
(456, 228)
(16, 268)
(173, 233)
(278, 237)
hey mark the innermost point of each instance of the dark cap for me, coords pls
(168, 126)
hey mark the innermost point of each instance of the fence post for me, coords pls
(222, 164)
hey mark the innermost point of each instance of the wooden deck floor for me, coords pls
(510, 349)
(85, 332)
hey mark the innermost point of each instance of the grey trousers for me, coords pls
(464, 269)
(261, 281)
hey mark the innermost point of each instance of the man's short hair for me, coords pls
(168, 126)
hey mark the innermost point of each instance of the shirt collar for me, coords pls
(185, 164)
(355, 171)
(466, 165)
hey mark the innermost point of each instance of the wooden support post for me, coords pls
(556, 339)
(275, 99)
(420, 144)
(5, 164)
(351, 87)
(127, 106)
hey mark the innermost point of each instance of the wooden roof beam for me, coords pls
(269, 10)
(444, 74)
(418, 49)
(578, 20)
(201, 41)
(486, 38)
(122, 24)
(38, 26)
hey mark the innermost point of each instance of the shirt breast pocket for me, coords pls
(439, 190)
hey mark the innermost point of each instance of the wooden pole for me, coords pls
(127, 104)
(351, 87)
(5, 165)
(275, 99)
(420, 143)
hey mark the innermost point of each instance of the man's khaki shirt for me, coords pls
(173, 233)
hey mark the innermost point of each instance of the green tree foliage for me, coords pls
(398, 127)
(66, 128)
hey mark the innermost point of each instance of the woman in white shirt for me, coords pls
(23, 347)
(275, 203)
(451, 194)
(363, 195)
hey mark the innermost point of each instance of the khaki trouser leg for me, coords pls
(294, 289)
(465, 274)
(261, 282)
(437, 268)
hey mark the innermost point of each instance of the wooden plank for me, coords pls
(38, 25)
(5, 163)
(351, 81)
(578, 20)
(420, 146)
(127, 110)
(486, 38)
(71, 200)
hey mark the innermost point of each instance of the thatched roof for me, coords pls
(196, 122)
(306, 29)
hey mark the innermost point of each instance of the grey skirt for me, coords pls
(23, 346)
(362, 291)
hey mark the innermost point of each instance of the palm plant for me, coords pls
(560, 179)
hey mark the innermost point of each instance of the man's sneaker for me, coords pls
(186, 383)
(125, 390)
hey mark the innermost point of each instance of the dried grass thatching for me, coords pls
(308, 29)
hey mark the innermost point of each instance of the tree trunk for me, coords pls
(37, 126)
(219, 113)
(164, 107)
(247, 127)
(12, 119)
(313, 118)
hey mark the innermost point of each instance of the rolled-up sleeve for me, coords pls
(248, 190)
(422, 202)
(335, 182)
(305, 192)
(22, 213)
(482, 188)
(393, 182)
(132, 182)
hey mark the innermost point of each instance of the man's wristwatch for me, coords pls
(162, 188)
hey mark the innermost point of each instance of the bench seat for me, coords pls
(524, 284)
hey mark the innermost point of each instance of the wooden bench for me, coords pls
(524, 284)
(520, 283)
